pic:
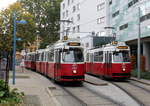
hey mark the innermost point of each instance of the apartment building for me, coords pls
(87, 18)
(131, 18)
(122, 18)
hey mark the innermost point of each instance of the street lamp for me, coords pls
(14, 44)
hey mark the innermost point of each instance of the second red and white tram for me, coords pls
(109, 61)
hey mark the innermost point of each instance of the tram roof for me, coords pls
(109, 47)
(63, 43)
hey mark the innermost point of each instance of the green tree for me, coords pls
(25, 32)
(47, 15)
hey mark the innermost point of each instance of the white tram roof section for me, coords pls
(110, 47)
(41, 50)
(64, 43)
(31, 53)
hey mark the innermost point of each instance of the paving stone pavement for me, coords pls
(34, 86)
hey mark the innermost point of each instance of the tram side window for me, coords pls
(98, 56)
(91, 57)
(87, 57)
(37, 57)
(51, 56)
(41, 57)
(29, 58)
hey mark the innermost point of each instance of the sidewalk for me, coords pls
(35, 87)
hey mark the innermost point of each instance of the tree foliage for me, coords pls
(47, 15)
(25, 32)
(8, 97)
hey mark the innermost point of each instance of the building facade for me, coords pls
(125, 19)
(87, 17)
(131, 18)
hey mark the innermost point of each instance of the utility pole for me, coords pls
(14, 44)
(67, 30)
(139, 45)
(14, 49)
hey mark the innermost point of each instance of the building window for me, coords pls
(78, 17)
(73, 9)
(100, 20)
(78, 28)
(100, 6)
(63, 14)
(68, 22)
(74, 29)
(115, 14)
(132, 3)
(110, 2)
(87, 45)
(123, 27)
(72, 19)
(72, 1)
(67, 13)
(68, 2)
(78, 6)
(63, 5)
(145, 17)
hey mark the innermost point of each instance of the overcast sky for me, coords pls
(5, 3)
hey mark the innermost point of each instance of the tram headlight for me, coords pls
(74, 71)
(123, 69)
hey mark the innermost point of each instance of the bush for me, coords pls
(9, 97)
(144, 75)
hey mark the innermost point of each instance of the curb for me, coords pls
(57, 103)
(140, 81)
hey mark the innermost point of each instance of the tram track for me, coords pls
(148, 84)
(106, 97)
(87, 97)
(74, 96)
(143, 86)
(140, 94)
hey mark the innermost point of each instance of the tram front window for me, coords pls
(121, 56)
(73, 55)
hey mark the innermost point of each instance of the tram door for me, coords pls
(57, 69)
(91, 63)
(108, 63)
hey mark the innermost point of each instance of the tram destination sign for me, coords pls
(73, 44)
(122, 47)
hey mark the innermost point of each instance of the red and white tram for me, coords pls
(30, 60)
(63, 61)
(109, 61)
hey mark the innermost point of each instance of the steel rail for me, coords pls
(132, 96)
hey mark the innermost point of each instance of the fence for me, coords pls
(5, 64)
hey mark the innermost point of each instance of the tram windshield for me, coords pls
(121, 56)
(73, 55)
